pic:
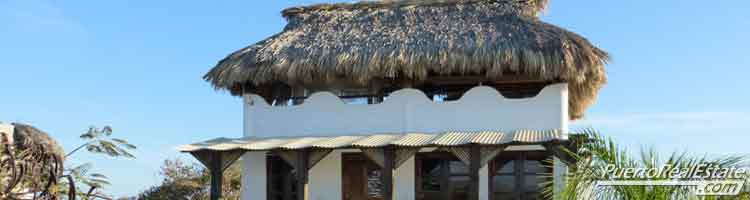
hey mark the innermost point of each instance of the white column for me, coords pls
(253, 163)
(404, 179)
(559, 171)
(247, 125)
(254, 176)
(484, 183)
(325, 178)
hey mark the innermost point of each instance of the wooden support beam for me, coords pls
(562, 153)
(301, 166)
(474, 166)
(388, 167)
(217, 173)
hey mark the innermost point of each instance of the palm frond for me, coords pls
(594, 155)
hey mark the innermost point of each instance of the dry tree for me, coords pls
(31, 164)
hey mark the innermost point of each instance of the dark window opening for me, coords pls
(282, 180)
(442, 93)
(519, 175)
(441, 176)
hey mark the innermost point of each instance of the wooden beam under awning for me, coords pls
(475, 156)
(303, 160)
(389, 158)
(301, 165)
(563, 152)
(216, 162)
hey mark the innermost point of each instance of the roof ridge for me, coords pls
(384, 4)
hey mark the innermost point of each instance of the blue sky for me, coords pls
(677, 82)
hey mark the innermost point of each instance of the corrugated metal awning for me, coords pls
(446, 139)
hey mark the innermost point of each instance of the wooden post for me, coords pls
(302, 176)
(388, 167)
(216, 170)
(474, 165)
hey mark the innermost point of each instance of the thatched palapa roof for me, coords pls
(415, 40)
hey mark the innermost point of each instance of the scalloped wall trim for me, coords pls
(480, 91)
(408, 110)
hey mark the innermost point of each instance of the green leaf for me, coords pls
(87, 136)
(124, 143)
(97, 175)
(94, 148)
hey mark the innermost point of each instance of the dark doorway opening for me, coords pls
(282, 179)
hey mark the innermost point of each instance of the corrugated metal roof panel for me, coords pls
(454, 139)
(490, 137)
(218, 144)
(414, 140)
(337, 142)
(532, 136)
(377, 140)
(264, 144)
(446, 139)
(301, 143)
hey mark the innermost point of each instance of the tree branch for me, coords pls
(78, 148)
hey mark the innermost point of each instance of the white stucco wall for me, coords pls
(254, 175)
(325, 177)
(405, 181)
(409, 110)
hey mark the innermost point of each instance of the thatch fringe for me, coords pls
(482, 37)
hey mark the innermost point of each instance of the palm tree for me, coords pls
(598, 152)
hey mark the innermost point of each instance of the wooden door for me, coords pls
(360, 178)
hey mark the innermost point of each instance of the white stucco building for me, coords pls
(407, 100)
